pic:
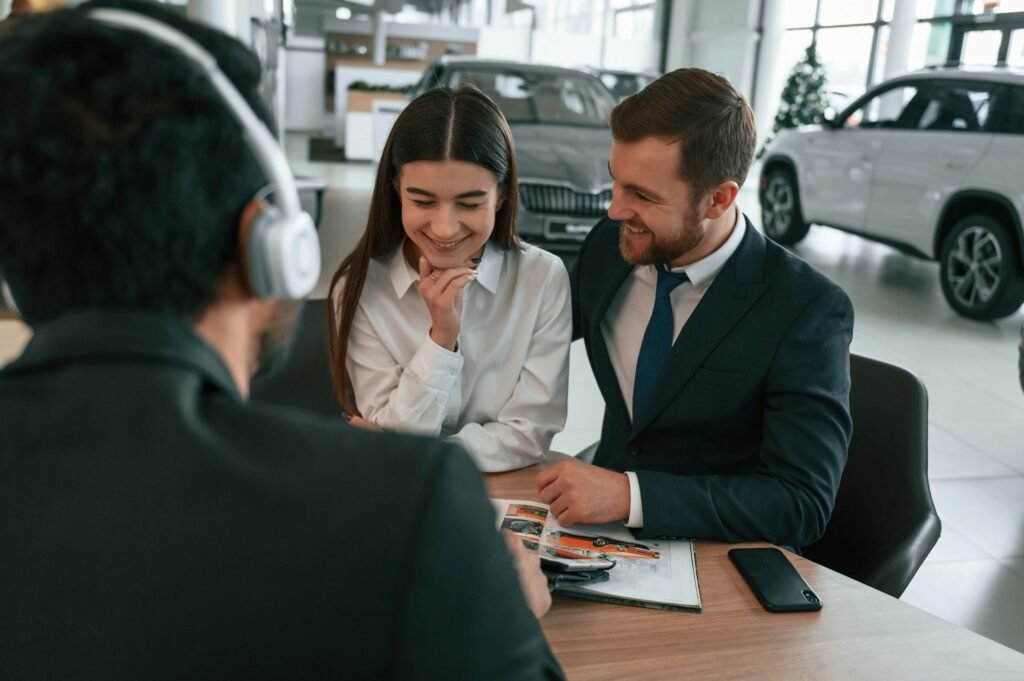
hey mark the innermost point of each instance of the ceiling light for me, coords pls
(343, 13)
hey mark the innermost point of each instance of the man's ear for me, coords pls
(245, 224)
(722, 199)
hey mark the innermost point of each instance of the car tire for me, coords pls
(600, 541)
(780, 208)
(980, 268)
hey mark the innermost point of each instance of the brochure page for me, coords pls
(653, 573)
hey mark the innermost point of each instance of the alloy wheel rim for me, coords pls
(778, 206)
(974, 266)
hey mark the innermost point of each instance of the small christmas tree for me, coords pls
(804, 97)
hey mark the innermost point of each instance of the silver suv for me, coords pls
(931, 163)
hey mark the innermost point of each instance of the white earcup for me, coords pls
(284, 255)
(8, 297)
(284, 251)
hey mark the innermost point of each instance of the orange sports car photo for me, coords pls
(578, 545)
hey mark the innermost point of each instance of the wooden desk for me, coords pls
(860, 633)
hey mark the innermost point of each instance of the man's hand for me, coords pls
(578, 492)
(531, 579)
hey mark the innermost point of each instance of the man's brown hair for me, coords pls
(712, 121)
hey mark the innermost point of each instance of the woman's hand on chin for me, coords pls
(442, 292)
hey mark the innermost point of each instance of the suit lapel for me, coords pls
(734, 291)
(618, 270)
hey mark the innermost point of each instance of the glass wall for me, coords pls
(605, 34)
(988, 6)
(853, 37)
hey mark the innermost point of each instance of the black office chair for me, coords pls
(303, 379)
(884, 523)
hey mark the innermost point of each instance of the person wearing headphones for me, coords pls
(154, 523)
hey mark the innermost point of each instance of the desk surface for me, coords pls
(860, 633)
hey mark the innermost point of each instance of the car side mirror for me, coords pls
(828, 117)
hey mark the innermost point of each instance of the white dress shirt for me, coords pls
(626, 321)
(502, 394)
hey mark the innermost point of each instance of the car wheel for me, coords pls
(780, 208)
(980, 269)
(600, 541)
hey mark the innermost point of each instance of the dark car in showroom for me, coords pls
(559, 119)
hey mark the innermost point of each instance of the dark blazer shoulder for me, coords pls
(334, 448)
(602, 243)
(795, 276)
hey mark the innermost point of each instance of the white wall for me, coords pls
(305, 73)
(562, 49)
(631, 55)
(504, 43)
(720, 36)
(771, 68)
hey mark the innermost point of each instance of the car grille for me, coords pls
(543, 198)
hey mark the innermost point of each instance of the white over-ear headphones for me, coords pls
(284, 251)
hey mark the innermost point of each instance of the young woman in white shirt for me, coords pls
(442, 321)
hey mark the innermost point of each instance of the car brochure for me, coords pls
(653, 574)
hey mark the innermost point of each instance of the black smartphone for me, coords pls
(774, 580)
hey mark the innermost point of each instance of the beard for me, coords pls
(660, 250)
(275, 342)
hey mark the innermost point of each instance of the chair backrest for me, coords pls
(884, 523)
(303, 378)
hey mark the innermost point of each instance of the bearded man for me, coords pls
(722, 358)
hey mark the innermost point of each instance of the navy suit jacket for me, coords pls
(746, 431)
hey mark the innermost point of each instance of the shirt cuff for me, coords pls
(436, 367)
(636, 507)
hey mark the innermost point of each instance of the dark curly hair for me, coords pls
(123, 174)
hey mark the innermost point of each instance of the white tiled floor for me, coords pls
(975, 575)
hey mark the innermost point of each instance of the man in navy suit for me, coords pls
(723, 359)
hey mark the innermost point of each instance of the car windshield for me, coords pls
(538, 97)
(623, 85)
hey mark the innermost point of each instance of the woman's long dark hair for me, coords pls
(439, 125)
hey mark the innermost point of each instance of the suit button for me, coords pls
(633, 451)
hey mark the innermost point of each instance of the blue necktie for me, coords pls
(657, 338)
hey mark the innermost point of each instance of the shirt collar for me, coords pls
(403, 276)
(702, 272)
(490, 267)
(123, 335)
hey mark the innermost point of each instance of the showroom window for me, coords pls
(628, 19)
(988, 6)
(853, 38)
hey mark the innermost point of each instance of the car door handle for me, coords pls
(956, 165)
